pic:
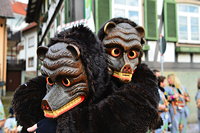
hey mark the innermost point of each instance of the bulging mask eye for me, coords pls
(132, 54)
(49, 81)
(115, 52)
(66, 82)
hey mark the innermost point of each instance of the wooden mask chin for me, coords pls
(124, 49)
(67, 84)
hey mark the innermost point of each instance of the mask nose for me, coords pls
(45, 105)
(127, 69)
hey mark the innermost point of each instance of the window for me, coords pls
(188, 23)
(30, 62)
(31, 41)
(127, 8)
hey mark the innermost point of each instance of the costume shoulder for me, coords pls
(27, 101)
(144, 77)
(131, 108)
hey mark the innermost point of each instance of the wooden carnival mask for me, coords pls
(124, 49)
(67, 84)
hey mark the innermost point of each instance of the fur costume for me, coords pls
(111, 106)
(27, 102)
(110, 116)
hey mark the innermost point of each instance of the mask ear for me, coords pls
(41, 51)
(74, 50)
(140, 31)
(108, 26)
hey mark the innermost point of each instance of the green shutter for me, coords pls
(68, 12)
(150, 19)
(58, 19)
(102, 12)
(170, 20)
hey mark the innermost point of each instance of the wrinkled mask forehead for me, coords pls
(123, 47)
(62, 59)
(67, 84)
(123, 34)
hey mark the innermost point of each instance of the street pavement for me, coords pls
(192, 128)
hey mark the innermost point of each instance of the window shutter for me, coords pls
(170, 20)
(58, 19)
(150, 10)
(102, 12)
(68, 12)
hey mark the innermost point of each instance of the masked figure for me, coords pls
(121, 98)
(67, 84)
(123, 47)
(131, 104)
(67, 81)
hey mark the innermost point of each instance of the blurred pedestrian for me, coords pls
(197, 98)
(156, 72)
(182, 104)
(163, 105)
(10, 125)
(178, 103)
(173, 99)
(186, 97)
(2, 116)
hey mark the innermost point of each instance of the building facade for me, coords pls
(28, 51)
(5, 13)
(177, 21)
(15, 65)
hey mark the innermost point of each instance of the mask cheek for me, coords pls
(48, 88)
(134, 63)
(114, 64)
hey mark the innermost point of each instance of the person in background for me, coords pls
(163, 105)
(178, 103)
(172, 98)
(183, 110)
(2, 116)
(156, 72)
(197, 99)
(186, 113)
(10, 125)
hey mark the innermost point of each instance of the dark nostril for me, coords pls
(127, 68)
(45, 105)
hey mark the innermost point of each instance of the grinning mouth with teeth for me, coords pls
(127, 77)
(55, 113)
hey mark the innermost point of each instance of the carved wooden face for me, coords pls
(123, 47)
(67, 84)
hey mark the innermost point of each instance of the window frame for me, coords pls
(30, 45)
(188, 16)
(129, 8)
(31, 62)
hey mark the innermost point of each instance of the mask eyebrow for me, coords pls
(137, 47)
(114, 45)
(123, 45)
(122, 36)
